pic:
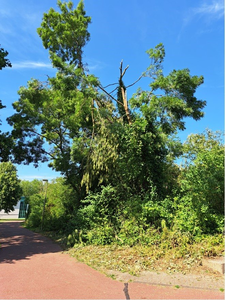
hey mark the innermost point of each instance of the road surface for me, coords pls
(34, 267)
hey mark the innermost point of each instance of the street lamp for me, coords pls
(43, 212)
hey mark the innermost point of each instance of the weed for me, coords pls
(113, 276)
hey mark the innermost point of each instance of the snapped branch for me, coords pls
(122, 72)
(109, 95)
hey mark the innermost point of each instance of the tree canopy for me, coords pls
(88, 135)
(10, 190)
(6, 142)
(4, 62)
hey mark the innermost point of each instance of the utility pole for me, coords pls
(45, 182)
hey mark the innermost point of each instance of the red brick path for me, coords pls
(33, 267)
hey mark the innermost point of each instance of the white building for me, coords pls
(19, 211)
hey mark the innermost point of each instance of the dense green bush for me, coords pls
(36, 203)
(200, 207)
(192, 207)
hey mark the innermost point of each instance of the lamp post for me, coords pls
(43, 212)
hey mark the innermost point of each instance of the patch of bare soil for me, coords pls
(175, 279)
(195, 276)
(203, 278)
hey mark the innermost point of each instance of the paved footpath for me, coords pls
(34, 267)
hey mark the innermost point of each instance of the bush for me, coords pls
(36, 203)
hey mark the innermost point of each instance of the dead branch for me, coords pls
(110, 85)
(134, 82)
(109, 95)
(113, 90)
(122, 72)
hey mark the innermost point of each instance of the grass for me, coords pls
(133, 260)
(136, 259)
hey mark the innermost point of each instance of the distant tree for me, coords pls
(58, 207)
(31, 188)
(5, 138)
(10, 190)
(4, 62)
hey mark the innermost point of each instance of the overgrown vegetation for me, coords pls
(192, 210)
(183, 257)
(120, 182)
(109, 232)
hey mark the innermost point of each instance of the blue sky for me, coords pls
(191, 31)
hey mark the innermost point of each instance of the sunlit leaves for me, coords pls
(10, 190)
(65, 33)
(171, 98)
(202, 179)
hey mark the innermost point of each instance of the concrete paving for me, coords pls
(216, 264)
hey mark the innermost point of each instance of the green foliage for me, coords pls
(102, 205)
(58, 208)
(6, 141)
(101, 235)
(60, 205)
(129, 216)
(10, 190)
(31, 188)
(201, 206)
(101, 155)
(65, 33)
(54, 113)
(70, 114)
(131, 232)
(100, 216)
(36, 203)
(6, 146)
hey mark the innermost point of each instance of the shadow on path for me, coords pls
(18, 243)
(126, 292)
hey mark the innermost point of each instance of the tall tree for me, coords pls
(10, 190)
(54, 112)
(88, 135)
